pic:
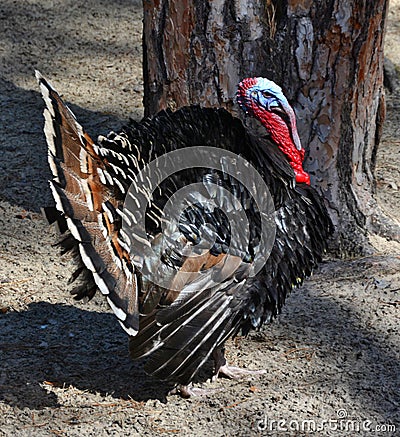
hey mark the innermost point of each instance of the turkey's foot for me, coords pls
(188, 391)
(231, 372)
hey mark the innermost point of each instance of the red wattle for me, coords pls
(280, 133)
(302, 177)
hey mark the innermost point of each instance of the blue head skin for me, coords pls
(265, 100)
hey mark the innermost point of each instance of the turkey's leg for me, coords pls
(187, 391)
(222, 367)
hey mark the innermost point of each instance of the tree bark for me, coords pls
(326, 55)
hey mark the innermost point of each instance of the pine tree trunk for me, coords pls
(326, 55)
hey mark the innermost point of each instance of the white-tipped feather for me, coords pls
(46, 95)
(49, 131)
(101, 284)
(131, 278)
(134, 162)
(141, 240)
(86, 258)
(146, 191)
(132, 217)
(83, 161)
(108, 177)
(115, 258)
(56, 196)
(96, 149)
(151, 215)
(124, 244)
(119, 185)
(53, 167)
(130, 331)
(125, 159)
(133, 183)
(107, 210)
(117, 311)
(124, 216)
(88, 193)
(74, 230)
(103, 229)
(117, 169)
(101, 176)
(130, 194)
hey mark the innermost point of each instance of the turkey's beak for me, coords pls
(291, 121)
(286, 112)
(296, 139)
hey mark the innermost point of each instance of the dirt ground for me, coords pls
(333, 355)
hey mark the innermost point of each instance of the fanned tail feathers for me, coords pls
(90, 202)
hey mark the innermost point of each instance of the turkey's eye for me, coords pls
(266, 95)
(254, 94)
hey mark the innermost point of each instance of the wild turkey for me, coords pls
(213, 292)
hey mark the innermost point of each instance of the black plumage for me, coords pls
(178, 328)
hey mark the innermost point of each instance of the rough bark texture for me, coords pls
(326, 55)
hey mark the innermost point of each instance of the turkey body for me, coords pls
(178, 325)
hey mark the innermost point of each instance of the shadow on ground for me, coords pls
(63, 345)
(68, 345)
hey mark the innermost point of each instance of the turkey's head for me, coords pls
(264, 100)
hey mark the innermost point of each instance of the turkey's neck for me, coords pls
(279, 132)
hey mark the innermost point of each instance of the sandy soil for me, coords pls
(64, 366)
